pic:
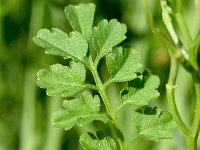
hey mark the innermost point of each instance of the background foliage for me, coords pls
(24, 108)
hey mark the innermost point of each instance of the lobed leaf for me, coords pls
(141, 90)
(80, 110)
(89, 142)
(122, 64)
(62, 80)
(107, 35)
(56, 42)
(81, 18)
(154, 125)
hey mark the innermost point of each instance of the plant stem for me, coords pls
(175, 48)
(192, 138)
(133, 140)
(191, 143)
(114, 125)
(168, 23)
(189, 62)
(179, 5)
(174, 64)
(90, 86)
(182, 23)
(100, 88)
(170, 87)
(196, 122)
(197, 39)
(184, 29)
(188, 39)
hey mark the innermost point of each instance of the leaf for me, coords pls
(141, 90)
(123, 63)
(81, 18)
(80, 110)
(154, 125)
(107, 35)
(90, 142)
(62, 80)
(59, 43)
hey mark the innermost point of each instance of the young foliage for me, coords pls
(123, 64)
(56, 42)
(153, 124)
(107, 35)
(62, 80)
(81, 18)
(90, 142)
(88, 110)
(141, 90)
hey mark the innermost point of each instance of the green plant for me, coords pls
(85, 46)
(185, 51)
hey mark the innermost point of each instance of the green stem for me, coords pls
(170, 87)
(196, 122)
(107, 83)
(172, 50)
(188, 39)
(178, 53)
(179, 5)
(133, 140)
(184, 29)
(197, 39)
(188, 61)
(148, 16)
(101, 89)
(168, 23)
(191, 143)
(182, 23)
(167, 42)
(114, 125)
(186, 34)
(192, 138)
(90, 86)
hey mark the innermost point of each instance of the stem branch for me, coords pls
(171, 98)
(114, 125)
(196, 121)
(184, 29)
(133, 140)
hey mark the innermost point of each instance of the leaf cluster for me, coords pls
(80, 107)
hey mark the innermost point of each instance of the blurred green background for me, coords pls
(25, 109)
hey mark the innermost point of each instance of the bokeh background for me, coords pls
(25, 109)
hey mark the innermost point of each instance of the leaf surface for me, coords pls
(81, 18)
(89, 142)
(122, 64)
(141, 90)
(62, 80)
(56, 42)
(107, 35)
(80, 110)
(154, 125)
